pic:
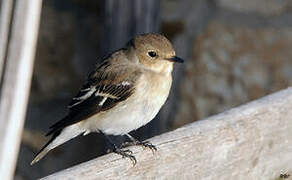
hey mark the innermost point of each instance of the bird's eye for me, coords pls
(152, 54)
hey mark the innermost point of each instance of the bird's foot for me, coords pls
(145, 144)
(126, 154)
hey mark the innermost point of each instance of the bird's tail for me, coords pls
(59, 137)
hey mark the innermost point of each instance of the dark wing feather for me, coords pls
(102, 91)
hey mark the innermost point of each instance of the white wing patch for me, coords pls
(97, 92)
(87, 89)
(103, 100)
(85, 96)
(106, 95)
(124, 83)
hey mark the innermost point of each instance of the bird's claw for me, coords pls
(147, 144)
(126, 154)
(127, 151)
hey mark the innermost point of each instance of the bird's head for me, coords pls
(155, 52)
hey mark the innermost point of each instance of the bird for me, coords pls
(123, 93)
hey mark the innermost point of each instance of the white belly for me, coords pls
(136, 111)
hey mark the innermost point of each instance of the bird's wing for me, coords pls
(105, 88)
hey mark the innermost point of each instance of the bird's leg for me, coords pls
(124, 153)
(145, 144)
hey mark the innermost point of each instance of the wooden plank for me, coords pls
(252, 141)
(16, 81)
(5, 20)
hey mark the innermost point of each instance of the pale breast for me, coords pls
(154, 92)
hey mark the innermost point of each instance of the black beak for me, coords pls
(175, 59)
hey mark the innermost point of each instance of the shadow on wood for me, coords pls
(252, 141)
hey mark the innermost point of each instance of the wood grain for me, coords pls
(252, 141)
(5, 24)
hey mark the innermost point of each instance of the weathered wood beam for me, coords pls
(17, 72)
(5, 23)
(252, 141)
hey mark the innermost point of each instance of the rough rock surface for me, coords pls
(232, 65)
(262, 7)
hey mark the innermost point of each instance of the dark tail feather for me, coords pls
(43, 152)
(59, 137)
(66, 121)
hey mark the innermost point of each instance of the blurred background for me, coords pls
(234, 53)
